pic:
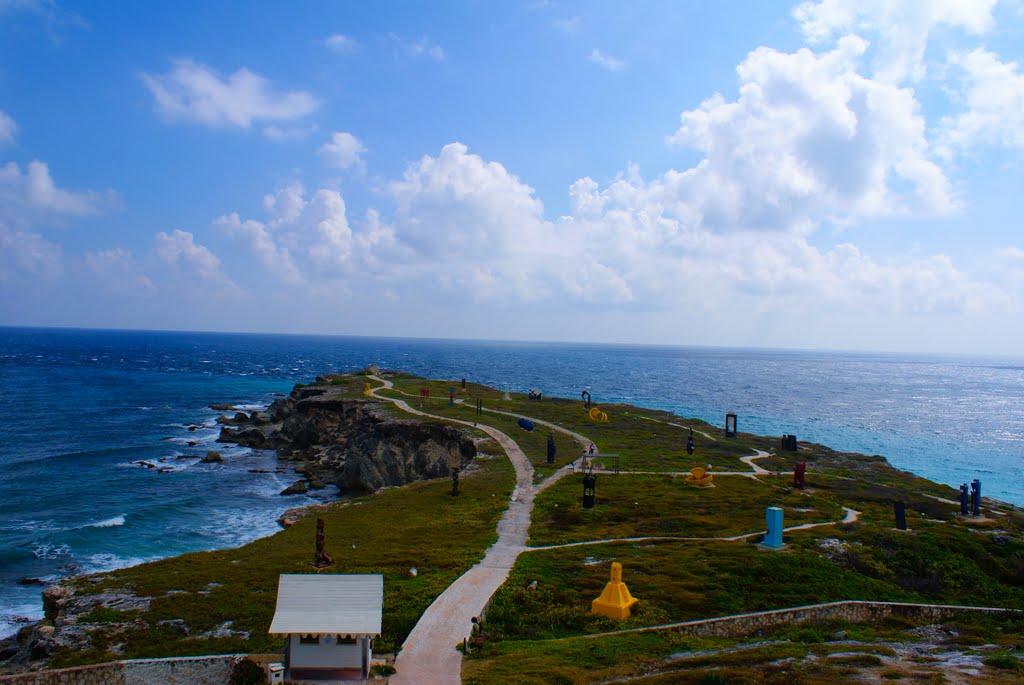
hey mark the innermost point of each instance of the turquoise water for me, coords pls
(80, 407)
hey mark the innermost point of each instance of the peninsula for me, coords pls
(847, 593)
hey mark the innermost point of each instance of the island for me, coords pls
(780, 561)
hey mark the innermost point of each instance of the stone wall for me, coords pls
(852, 611)
(192, 670)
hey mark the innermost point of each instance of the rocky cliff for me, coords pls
(357, 444)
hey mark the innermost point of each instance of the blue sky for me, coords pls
(819, 174)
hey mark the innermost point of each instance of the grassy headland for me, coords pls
(539, 621)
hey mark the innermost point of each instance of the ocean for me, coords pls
(81, 409)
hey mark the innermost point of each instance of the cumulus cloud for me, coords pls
(458, 203)
(194, 92)
(992, 93)
(902, 28)
(607, 61)
(341, 44)
(306, 237)
(423, 47)
(8, 128)
(343, 151)
(808, 137)
(32, 194)
(180, 250)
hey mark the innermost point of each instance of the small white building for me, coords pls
(330, 621)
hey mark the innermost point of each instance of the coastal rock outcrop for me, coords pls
(355, 443)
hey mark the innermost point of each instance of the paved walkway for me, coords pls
(429, 655)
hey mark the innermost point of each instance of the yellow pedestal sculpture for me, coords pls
(615, 601)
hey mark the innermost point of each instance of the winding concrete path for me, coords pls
(429, 655)
(749, 461)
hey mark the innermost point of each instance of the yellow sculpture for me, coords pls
(597, 415)
(615, 601)
(367, 391)
(699, 477)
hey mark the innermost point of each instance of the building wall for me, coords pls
(327, 654)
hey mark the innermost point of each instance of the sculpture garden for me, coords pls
(686, 553)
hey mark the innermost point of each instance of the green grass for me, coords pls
(441, 536)
(637, 506)
(943, 558)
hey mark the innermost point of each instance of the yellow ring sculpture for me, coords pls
(597, 415)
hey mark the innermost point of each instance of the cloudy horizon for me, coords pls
(824, 174)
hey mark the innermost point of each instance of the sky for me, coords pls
(826, 174)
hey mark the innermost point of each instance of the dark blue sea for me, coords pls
(80, 409)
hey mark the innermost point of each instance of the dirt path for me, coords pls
(429, 654)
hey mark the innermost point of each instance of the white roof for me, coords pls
(324, 604)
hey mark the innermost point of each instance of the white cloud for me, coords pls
(179, 249)
(8, 128)
(423, 47)
(568, 25)
(808, 139)
(341, 44)
(343, 151)
(1012, 253)
(33, 194)
(305, 239)
(902, 27)
(27, 255)
(115, 270)
(284, 133)
(992, 92)
(457, 203)
(607, 61)
(194, 92)
(54, 18)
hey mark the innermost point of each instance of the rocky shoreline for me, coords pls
(326, 436)
(354, 443)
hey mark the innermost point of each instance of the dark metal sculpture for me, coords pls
(689, 443)
(552, 449)
(322, 558)
(730, 425)
(900, 510)
(589, 488)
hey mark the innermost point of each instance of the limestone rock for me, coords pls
(356, 444)
(299, 487)
(212, 458)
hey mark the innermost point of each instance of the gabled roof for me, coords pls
(324, 604)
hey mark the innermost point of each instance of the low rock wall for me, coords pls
(192, 670)
(852, 611)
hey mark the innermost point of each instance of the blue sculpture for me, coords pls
(773, 538)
